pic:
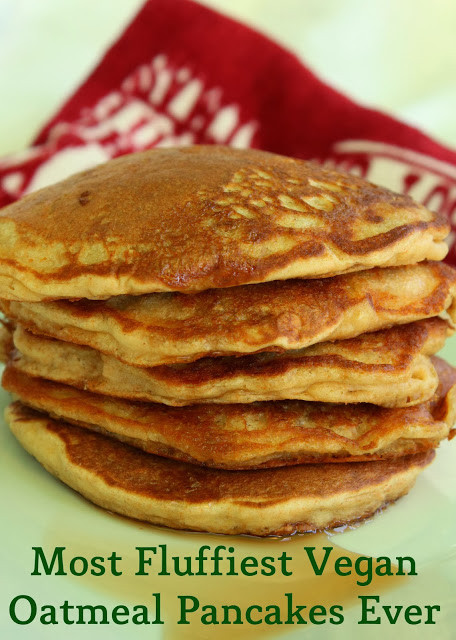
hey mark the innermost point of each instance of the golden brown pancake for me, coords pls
(163, 328)
(183, 496)
(198, 218)
(6, 340)
(263, 434)
(389, 368)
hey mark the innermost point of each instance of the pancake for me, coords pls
(197, 218)
(259, 435)
(163, 328)
(389, 368)
(6, 340)
(175, 494)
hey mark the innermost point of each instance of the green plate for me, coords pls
(38, 511)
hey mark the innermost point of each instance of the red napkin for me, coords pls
(183, 74)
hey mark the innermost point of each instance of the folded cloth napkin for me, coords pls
(183, 74)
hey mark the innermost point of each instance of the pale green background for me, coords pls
(399, 55)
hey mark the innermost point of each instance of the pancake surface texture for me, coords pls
(389, 368)
(165, 492)
(197, 218)
(263, 434)
(6, 340)
(164, 328)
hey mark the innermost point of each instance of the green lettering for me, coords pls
(430, 610)
(158, 619)
(413, 610)
(211, 616)
(268, 566)
(92, 610)
(140, 615)
(366, 572)
(201, 558)
(48, 614)
(344, 562)
(66, 606)
(216, 559)
(84, 566)
(226, 614)
(12, 609)
(48, 568)
(283, 559)
(383, 566)
(231, 571)
(184, 609)
(336, 611)
(120, 610)
(315, 611)
(143, 560)
(247, 562)
(187, 570)
(248, 614)
(98, 568)
(296, 613)
(113, 558)
(273, 615)
(365, 610)
(400, 566)
(318, 570)
(392, 619)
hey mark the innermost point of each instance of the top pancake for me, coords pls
(196, 218)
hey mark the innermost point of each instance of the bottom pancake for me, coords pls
(183, 496)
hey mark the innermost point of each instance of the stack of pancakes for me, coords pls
(226, 340)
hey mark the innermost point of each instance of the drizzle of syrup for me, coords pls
(307, 588)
